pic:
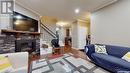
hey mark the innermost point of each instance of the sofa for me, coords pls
(19, 61)
(112, 61)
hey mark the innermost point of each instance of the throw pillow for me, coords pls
(86, 49)
(126, 57)
(100, 49)
(5, 65)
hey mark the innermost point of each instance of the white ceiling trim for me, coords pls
(104, 5)
(30, 9)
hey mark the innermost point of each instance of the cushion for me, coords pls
(100, 49)
(86, 49)
(117, 51)
(5, 65)
(111, 61)
(126, 57)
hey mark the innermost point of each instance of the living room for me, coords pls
(63, 36)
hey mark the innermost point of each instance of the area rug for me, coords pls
(53, 56)
(65, 64)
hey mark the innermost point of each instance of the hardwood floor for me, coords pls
(66, 49)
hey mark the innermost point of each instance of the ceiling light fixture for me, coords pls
(62, 23)
(77, 10)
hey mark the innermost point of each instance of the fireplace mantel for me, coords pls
(18, 33)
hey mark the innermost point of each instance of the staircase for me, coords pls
(48, 31)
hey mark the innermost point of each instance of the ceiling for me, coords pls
(64, 9)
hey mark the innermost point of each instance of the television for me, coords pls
(24, 23)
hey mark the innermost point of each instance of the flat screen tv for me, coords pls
(24, 23)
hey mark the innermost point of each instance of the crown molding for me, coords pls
(104, 5)
(33, 11)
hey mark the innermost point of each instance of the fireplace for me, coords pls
(20, 41)
(23, 45)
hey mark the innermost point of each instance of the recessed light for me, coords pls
(18, 17)
(57, 29)
(77, 10)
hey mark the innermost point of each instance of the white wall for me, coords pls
(74, 35)
(79, 32)
(111, 25)
(45, 36)
(62, 34)
(82, 33)
(4, 20)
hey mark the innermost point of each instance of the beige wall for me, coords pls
(111, 25)
(50, 22)
(85, 23)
